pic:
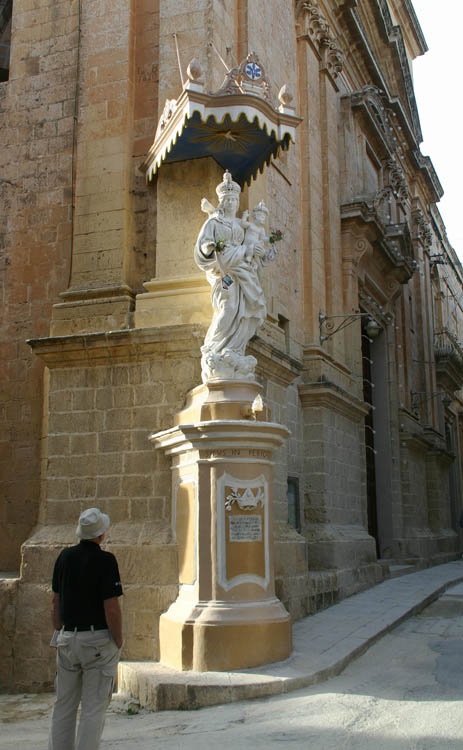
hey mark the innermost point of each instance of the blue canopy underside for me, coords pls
(240, 146)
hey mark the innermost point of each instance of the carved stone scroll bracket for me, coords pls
(354, 248)
(393, 288)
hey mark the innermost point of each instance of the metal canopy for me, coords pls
(238, 125)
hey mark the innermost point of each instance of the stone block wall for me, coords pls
(335, 514)
(97, 453)
(36, 112)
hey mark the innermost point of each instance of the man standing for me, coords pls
(86, 612)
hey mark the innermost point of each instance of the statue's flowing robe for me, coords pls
(239, 310)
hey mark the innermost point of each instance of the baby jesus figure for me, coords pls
(255, 237)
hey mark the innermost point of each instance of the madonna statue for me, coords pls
(232, 252)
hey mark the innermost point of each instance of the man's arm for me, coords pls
(113, 614)
(55, 618)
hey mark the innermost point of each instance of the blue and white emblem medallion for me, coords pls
(253, 71)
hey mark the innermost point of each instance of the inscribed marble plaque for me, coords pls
(245, 528)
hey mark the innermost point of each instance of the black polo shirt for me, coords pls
(84, 576)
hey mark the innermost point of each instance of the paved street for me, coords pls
(404, 694)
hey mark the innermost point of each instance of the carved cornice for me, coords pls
(394, 37)
(389, 26)
(273, 363)
(80, 350)
(317, 30)
(425, 163)
(418, 437)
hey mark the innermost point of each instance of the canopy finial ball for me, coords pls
(286, 95)
(194, 70)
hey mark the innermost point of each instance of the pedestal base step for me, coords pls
(223, 636)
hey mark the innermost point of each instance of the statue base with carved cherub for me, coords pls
(226, 615)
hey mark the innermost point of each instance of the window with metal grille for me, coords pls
(294, 511)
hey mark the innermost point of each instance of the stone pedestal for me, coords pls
(226, 615)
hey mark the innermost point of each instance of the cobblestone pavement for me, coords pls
(404, 693)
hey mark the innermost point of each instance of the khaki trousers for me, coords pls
(86, 672)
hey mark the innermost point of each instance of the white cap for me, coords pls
(92, 523)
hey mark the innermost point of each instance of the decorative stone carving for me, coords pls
(449, 360)
(359, 249)
(382, 205)
(248, 77)
(319, 32)
(422, 228)
(397, 180)
(374, 101)
(371, 306)
(232, 252)
(245, 498)
(394, 34)
(334, 59)
(167, 113)
(318, 26)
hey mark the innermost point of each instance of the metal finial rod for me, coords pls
(225, 65)
(220, 56)
(178, 58)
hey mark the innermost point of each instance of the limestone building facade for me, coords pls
(359, 356)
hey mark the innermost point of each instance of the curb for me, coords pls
(324, 644)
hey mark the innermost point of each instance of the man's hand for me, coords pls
(113, 614)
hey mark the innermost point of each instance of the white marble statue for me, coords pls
(232, 252)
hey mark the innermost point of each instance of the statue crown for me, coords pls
(227, 187)
(260, 207)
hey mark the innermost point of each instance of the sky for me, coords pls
(439, 98)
